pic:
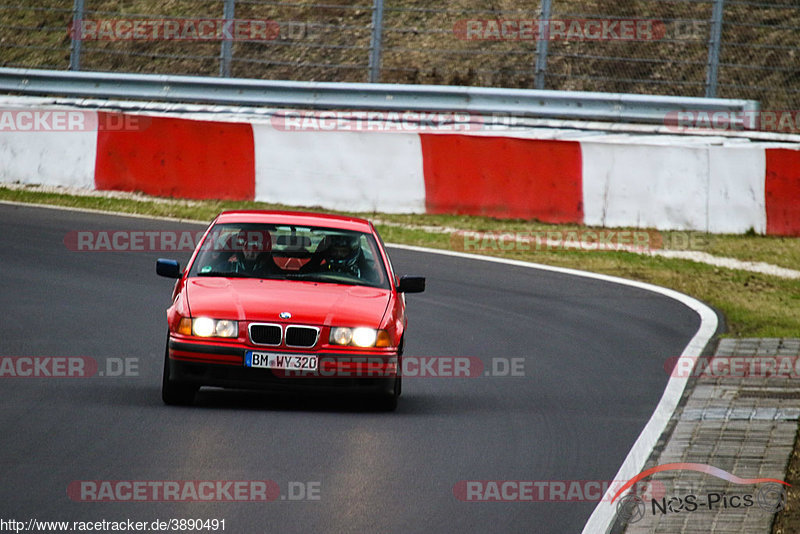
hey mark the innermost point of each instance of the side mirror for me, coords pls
(411, 284)
(168, 268)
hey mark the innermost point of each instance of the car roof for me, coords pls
(298, 218)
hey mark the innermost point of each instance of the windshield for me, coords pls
(290, 253)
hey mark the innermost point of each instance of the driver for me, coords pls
(343, 255)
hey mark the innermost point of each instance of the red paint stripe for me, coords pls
(782, 191)
(183, 355)
(178, 158)
(503, 177)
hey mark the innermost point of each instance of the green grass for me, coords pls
(755, 305)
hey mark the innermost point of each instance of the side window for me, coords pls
(368, 253)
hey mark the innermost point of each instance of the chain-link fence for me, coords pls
(726, 48)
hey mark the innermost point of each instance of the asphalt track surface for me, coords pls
(593, 355)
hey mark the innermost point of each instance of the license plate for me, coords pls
(286, 362)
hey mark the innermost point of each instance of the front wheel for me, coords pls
(175, 393)
(387, 401)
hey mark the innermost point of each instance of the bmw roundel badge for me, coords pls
(285, 315)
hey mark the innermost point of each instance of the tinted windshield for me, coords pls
(290, 253)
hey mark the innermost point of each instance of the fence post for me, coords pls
(714, 45)
(376, 42)
(226, 47)
(75, 45)
(543, 40)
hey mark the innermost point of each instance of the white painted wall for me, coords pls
(736, 191)
(646, 186)
(64, 158)
(709, 188)
(354, 171)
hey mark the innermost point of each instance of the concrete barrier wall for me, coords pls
(711, 188)
(177, 158)
(782, 191)
(503, 177)
(353, 171)
(49, 157)
(613, 181)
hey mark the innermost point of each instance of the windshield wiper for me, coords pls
(226, 274)
(322, 277)
(298, 275)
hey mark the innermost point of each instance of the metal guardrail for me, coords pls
(392, 97)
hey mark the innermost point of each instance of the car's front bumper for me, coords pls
(222, 365)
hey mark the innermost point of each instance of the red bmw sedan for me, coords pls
(287, 301)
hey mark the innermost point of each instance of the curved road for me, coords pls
(593, 372)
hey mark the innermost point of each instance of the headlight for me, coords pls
(207, 327)
(341, 336)
(364, 337)
(226, 328)
(203, 327)
(359, 337)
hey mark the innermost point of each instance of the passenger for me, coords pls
(249, 252)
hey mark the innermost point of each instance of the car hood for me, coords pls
(313, 303)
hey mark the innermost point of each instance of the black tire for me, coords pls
(399, 384)
(175, 393)
(387, 402)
